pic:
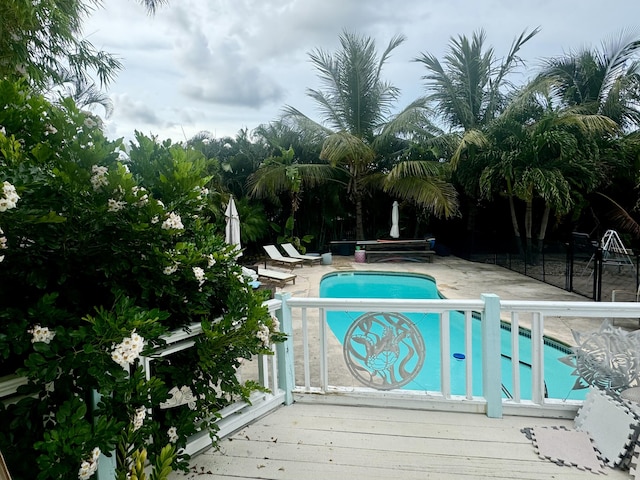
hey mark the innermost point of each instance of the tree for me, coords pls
(356, 114)
(468, 90)
(604, 82)
(282, 173)
(42, 39)
(535, 152)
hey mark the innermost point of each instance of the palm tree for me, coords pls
(604, 82)
(356, 112)
(284, 173)
(468, 90)
(84, 92)
(537, 153)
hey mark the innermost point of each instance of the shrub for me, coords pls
(102, 254)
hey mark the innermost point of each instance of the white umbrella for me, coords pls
(232, 231)
(395, 230)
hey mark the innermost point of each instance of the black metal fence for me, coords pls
(580, 266)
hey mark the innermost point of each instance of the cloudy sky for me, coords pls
(225, 65)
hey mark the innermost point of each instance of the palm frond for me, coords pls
(622, 217)
(343, 147)
(432, 193)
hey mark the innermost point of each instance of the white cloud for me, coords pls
(223, 65)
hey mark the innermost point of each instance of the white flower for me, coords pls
(155, 219)
(172, 433)
(41, 334)
(86, 470)
(115, 205)
(127, 351)
(3, 241)
(9, 197)
(173, 222)
(138, 417)
(141, 194)
(210, 260)
(199, 274)
(264, 335)
(89, 467)
(202, 192)
(90, 122)
(171, 269)
(275, 325)
(99, 177)
(95, 454)
(2, 130)
(50, 130)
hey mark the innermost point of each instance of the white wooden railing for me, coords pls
(309, 320)
(307, 353)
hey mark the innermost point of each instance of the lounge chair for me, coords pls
(276, 257)
(290, 250)
(277, 277)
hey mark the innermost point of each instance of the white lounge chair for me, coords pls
(290, 250)
(277, 277)
(276, 257)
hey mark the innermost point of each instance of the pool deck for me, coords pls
(315, 441)
(461, 279)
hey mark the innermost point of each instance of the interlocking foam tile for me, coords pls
(610, 423)
(635, 463)
(634, 468)
(570, 448)
(635, 437)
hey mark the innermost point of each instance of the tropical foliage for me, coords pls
(103, 255)
(357, 121)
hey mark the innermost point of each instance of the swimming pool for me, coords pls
(404, 347)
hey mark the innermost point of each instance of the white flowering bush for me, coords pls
(102, 254)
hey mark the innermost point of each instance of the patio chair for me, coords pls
(290, 250)
(276, 277)
(276, 257)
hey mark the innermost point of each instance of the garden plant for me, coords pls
(103, 254)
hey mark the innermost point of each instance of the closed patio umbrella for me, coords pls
(395, 216)
(232, 231)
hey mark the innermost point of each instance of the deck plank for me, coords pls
(319, 441)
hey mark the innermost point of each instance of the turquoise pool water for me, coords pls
(412, 360)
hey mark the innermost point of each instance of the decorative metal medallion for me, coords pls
(384, 350)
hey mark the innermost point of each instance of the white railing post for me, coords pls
(324, 361)
(491, 365)
(515, 357)
(284, 350)
(445, 352)
(537, 358)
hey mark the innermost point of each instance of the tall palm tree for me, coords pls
(468, 89)
(535, 152)
(356, 106)
(603, 81)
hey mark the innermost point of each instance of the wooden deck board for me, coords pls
(319, 441)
